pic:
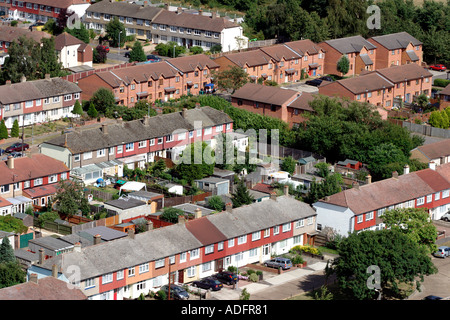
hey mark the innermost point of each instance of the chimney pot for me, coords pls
(229, 207)
(395, 174)
(368, 179)
(41, 256)
(286, 190)
(273, 196)
(47, 76)
(181, 219)
(77, 247)
(34, 278)
(97, 239)
(198, 213)
(23, 79)
(105, 128)
(54, 271)
(149, 225)
(406, 169)
(10, 162)
(131, 233)
(432, 165)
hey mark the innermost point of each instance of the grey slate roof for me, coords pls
(106, 234)
(138, 130)
(366, 59)
(125, 9)
(126, 203)
(396, 40)
(350, 44)
(51, 243)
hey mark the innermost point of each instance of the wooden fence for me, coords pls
(173, 201)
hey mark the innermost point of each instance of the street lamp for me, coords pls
(119, 41)
(174, 50)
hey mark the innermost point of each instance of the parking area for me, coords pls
(301, 87)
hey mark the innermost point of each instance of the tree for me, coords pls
(99, 54)
(323, 169)
(70, 198)
(196, 50)
(137, 53)
(77, 109)
(383, 155)
(230, 79)
(171, 214)
(11, 274)
(415, 223)
(15, 129)
(47, 216)
(288, 165)
(103, 99)
(241, 196)
(343, 65)
(195, 162)
(92, 111)
(49, 62)
(330, 185)
(6, 251)
(216, 203)
(113, 29)
(80, 33)
(10, 224)
(3, 130)
(394, 257)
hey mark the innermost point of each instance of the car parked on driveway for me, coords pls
(314, 82)
(446, 217)
(17, 147)
(326, 78)
(227, 277)
(438, 67)
(283, 263)
(208, 284)
(176, 292)
(442, 252)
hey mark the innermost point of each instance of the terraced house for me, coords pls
(187, 251)
(91, 152)
(37, 101)
(165, 80)
(160, 25)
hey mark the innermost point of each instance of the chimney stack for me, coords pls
(286, 190)
(198, 213)
(368, 179)
(23, 79)
(97, 239)
(229, 207)
(406, 169)
(395, 175)
(47, 76)
(105, 128)
(149, 225)
(181, 219)
(200, 12)
(34, 278)
(273, 196)
(179, 10)
(355, 185)
(55, 271)
(8, 82)
(183, 112)
(432, 165)
(77, 247)
(10, 162)
(41, 256)
(131, 233)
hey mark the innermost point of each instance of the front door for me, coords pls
(181, 276)
(219, 265)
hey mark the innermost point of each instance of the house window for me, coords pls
(429, 198)
(230, 243)
(190, 271)
(437, 196)
(310, 221)
(267, 233)
(152, 142)
(76, 158)
(369, 216)
(299, 223)
(129, 146)
(360, 219)
(445, 193)
(169, 138)
(183, 257)
(276, 230)
(101, 153)
(144, 267)
(89, 283)
(194, 254)
(220, 246)
(172, 260)
(53, 178)
(253, 252)
(286, 227)
(256, 235)
(120, 275)
(206, 266)
(160, 140)
(67, 97)
(4, 188)
(142, 144)
(119, 149)
(107, 278)
(242, 239)
(209, 249)
(219, 128)
(131, 272)
(26, 184)
(87, 155)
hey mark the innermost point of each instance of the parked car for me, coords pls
(431, 297)
(445, 217)
(127, 54)
(153, 58)
(176, 292)
(17, 147)
(314, 82)
(442, 252)
(326, 78)
(438, 67)
(16, 154)
(2, 151)
(208, 284)
(227, 277)
(283, 263)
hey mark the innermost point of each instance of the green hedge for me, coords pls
(441, 82)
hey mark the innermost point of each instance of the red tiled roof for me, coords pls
(41, 191)
(4, 202)
(262, 187)
(436, 150)
(64, 40)
(206, 232)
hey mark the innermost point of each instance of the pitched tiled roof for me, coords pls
(250, 58)
(191, 21)
(264, 94)
(41, 191)
(446, 90)
(206, 232)
(410, 71)
(396, 40)
(10, 34)
(191, 63)
(125, 9)
(369, 82)
(350, 44)
(64, 40)
(302, 101)
(304, 46)
(436, 149)
(28, 168)
(48, 288)
(278, 52)
(36, 89)
(138, 130)
(392, 191)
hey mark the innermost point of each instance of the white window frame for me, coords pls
(286, 227)
(142, 144)
(429, 198)
(276, 230)
(242, 239)
(209, 249)
(107, 278)
(183, 257)
(120, 275)
(300, 223)
(230, 243)
(143, 268)
(87, 155)
(256, 235)
(194, 254)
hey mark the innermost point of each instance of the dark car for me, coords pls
(16, 154)
(17, 147)
(438, 67)
(432, 298)
(282, 263)
(314, 82)
(208, 284)
(326, 78)
(226, 277)
(127, 54)
(176, 292)
(153, 58)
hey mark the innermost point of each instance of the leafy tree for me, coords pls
(323, 169)
(170, 49)
(171, 214)
(49, 62)
(77, 109)
(343, 65)
(6, 251)
(422, 100)
(70, 198)
(393, 254)
(99, 55)
(137, 53)
(381, 156)
(158, 168)
(196, 50)
(80, 33)
(436, 120)
(415, 223)
(15, 129)
(196, 162)
(92, 111)
(113, 29)
(288, 165)
(327, 187)
(11, 274)
(241, 196)
(3, 130)
(103, 99)
(216, 203)
(216, 48)
(10, 224)
(230, 79)
(47, 216)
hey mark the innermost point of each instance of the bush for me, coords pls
(307, 249)
(253, 277)
(441, 82)
(297, 260)
(196, 50)
(161, 294)
(250, 271)
(232, 269)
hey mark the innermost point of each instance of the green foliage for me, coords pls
(196, 50)
(103, 99)
(323, 294)
(70, 198)
(137, 53)
(6, 251)
(49, 61)
(241, 196)
(113, 29)
(399, 260)
(15, 129)
(14, 23)
(308, 249)
(3, 130)
(230, 79)
(195, 162)
(11, 224)
(216, 48)
(288, 165)
(323, 169)
(161, 294)
(99, 55)
(245, 295)
(330, 185)
(77, 109)
(343, 65)
(253, 277)
(11, 274)
(171, 214)
(441, 82)
(169, 49)
(415, 224)
(92, 111)
(216, 203)
(47, 216)
(80, 33)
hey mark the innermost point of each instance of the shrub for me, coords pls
(250, 271)
(245, 295)
(307, 249)
(253, 277)
(232, 269)
(259, 272)
(441, 82)
(196, 50)
(161, 295)
(297, 260)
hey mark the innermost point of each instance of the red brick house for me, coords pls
(313, 56)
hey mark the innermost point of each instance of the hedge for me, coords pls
(441, 82)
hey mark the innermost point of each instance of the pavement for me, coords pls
(264, 290)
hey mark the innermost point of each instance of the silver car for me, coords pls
(282, 263)
(442, 252)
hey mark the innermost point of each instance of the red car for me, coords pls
(438, 67)
(17, 147)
